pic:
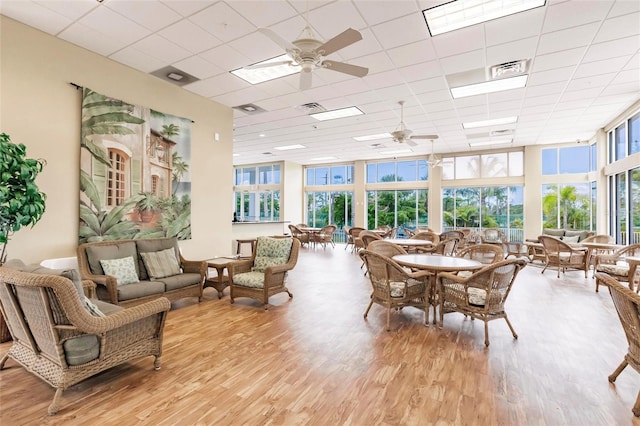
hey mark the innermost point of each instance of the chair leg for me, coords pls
(636, 406)
(55, 404)
(614, 375)
(368, 307)
(388, 317)
(3, 360)
(486, 333)
(515, 335)
(157, 363)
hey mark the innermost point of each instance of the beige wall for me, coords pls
(39, 108)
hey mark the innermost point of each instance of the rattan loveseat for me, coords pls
(186, 281)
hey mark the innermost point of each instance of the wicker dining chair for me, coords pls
(296, 232)
(347, 236)
(563, 256)
(354, 232)
(453, 233)
(325, 236)
(393, 286)
(483, 253)
(482, 295)
(63, 339)
(615, 265)
(627, 305)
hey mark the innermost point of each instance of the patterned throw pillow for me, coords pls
(123, 269)
(161, 264)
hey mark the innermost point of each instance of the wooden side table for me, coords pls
(221, 281)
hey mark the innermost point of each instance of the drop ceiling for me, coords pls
(584, 68)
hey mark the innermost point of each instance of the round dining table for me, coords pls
(409, 242)
(436, 263)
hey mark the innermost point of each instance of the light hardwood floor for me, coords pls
(315, 360)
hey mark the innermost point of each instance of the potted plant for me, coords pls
(21, 202)
(147, 205)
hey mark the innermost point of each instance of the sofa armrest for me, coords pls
(194, 266)
(107, 281)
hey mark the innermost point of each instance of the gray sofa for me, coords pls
(186, 282)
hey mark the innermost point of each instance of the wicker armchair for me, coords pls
(346, 229)
(454, 233)
(393, 286)
(492, 236)
(627, 305)
(354, 235)
(57, 339)
(563, 256)
(481, 295)
(385, 248)
(264, 274)
(615, 265)
(296, 232)
(325, 236)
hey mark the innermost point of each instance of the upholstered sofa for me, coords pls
(63, 337)
(567, 235)
(129, 272)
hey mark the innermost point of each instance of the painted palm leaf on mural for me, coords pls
(104, 116)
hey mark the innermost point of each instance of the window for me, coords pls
(573, 159)
(567, 206)
(493, 165)
(267, 174)
(330, 175)
(116, 180)
(485, 207)
(325, 208)
(397, 208)
(257, 205)
(397, 171)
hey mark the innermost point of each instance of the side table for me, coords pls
(221, 281)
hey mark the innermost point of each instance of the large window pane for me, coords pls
(574, 159)
(311, 177)
(386, 208)
(621, 207)
(372, 172)
(448, 169)
(248, 176)
(634, 208)
(494, 165)
(550, 206)
(276, 174)
(338, 175)
(467, 167)
(516, 163)
(423, 170)
(494, 207)
(406, 211)
(407, 171)
(467, 207)
(567, 206)
(594, 157)
(634, 134)
(550, 161)
(386, 172)
(322, 176)
(265, 174)
(620, 142)
(516, 213)
(265, 205)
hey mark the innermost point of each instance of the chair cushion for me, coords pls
(477, 296)
(82, 349)
(553, 232)
(249, 279)
(614, 269)
(140, 289)
(271, 252)
(160, 264)
(124, 270)
(573, 239)
(180, 281)
(491, 235)
(580, 234)
(112, 251)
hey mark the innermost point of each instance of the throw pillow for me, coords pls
(123, 269)
(160, 264)
(571, 239)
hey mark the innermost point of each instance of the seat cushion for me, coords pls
(249, 279)
(82, 349)
(140, 289)
(160, 264)
(477, 296)
(180, 281)
(614, 269)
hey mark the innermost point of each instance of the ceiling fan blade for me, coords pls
(277, 39)
(344, 39)
(410, 142)
(424, 137)
(305, 80)
(354, 70)
(268, 65)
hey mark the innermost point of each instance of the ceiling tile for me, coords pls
(410, 54)
(217, 85)
(256, 47)
(464, 62)
(198, 67)
(162, 49)
(612, 49)
(188, 7)
(112, 24)
(514, 27)
(560, 59)
(71, 9)
(404, 30)
(513, 51)
(223, 22)
(332, 19)
(264, 13)
(574, 13)
(150, 14)
(225, 57)
(91, 39)
(137, 59)
(190, 36)
(567, 39)
(457, 42)
(375, 12)
(39, 17)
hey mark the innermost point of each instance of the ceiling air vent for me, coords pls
(249, 109)
(509, 69)
(311, 108)
(502, 132)
(174, 75)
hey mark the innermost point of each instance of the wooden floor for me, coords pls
(315, 360)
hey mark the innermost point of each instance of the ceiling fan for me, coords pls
(309, 53)
(434, 160)
(403, 135)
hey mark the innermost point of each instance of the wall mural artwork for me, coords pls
(134, 171)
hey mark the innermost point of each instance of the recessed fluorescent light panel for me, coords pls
(485, 123)
(464, 13)
(372, 137)
(485, 143)
(337, 113)
(324, 158)
(490, 86)
(288, 147)
(260, 72)
(396, 151)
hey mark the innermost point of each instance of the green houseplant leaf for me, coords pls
(21, 202)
